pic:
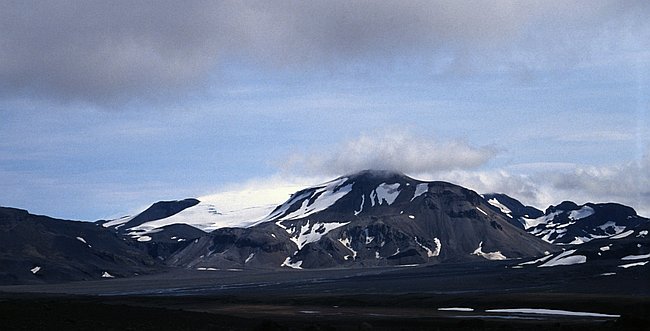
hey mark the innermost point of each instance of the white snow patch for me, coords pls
(456, 309)
(82, 240)
(609, 224)
(636, 264)
(118, 222)
(348, 244)
(530, 223)
(622, 235)
(363, 200)
(107, 275)
(481, 210)
(377, 256)
(579, 240)
(313, 232)
(636, 257)
(144, 238)
(583, 212)
(250, 257)
(369, 239)
(565, 259)
(206, 269)
(604, 248)
(412, 217)
(419, 190)
(549, 312)
(387, 192)
(501, 207)
(642, 233)
(430, 253)
(326, 198)
(490, 256)
(541, 259)
(35, 269)
(294, 265)
(608, 274)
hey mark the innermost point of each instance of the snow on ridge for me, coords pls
(490, 255)
(622, 235)
(494, 202)
(326, 196)
(583, 212)
(565, 258)
(313, 232)
(420, 189)
(387, 192)
(107, 275)
(117, 222)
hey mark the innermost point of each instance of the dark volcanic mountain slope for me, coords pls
(159, 210)
(371, 218)
(42, 249)
(515, 210)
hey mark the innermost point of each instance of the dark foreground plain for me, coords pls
(396, 298)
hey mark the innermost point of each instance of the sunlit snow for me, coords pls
(548, 312)
(287, 263)
(490, 256)
(348, 244)
(622, 235)
(456, 309)
(501, 207)
(636, 264)
(326, 197)
(419, 190)
(430, 253)
(636, 257)
(313, 232)
(34, 270)
(107, 275)
(583, 212)
(387, 193)
(565, 258)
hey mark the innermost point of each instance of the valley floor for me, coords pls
(405, 298)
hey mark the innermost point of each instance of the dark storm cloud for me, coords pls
(101, 51)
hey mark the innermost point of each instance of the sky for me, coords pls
(107, 107)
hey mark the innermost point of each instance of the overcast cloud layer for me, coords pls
(103, 53)
(110, 106)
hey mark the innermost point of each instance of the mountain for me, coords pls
(515, 210)
(607, 237)
(367, 219)
(36, 249)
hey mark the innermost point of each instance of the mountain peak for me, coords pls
(378, 175)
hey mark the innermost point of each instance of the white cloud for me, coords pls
(627, 183)
(398, 151)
